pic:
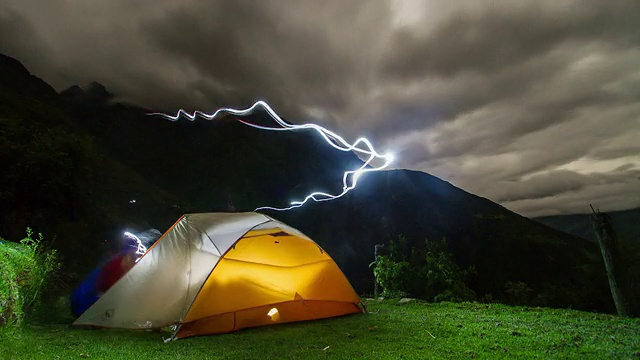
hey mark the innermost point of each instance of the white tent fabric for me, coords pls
(160, 288)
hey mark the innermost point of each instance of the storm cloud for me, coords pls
(533, 105)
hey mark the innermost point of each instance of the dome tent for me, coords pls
(220, 272)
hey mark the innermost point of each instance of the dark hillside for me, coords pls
(55, 179)
(502, 245)
(19, 81)
(74, 164)
(218, 165)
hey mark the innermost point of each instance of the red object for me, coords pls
(111, 272)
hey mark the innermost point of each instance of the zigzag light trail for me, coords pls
(350, 178)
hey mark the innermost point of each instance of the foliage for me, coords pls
(446, 281)
(414, 330)
(392, 276)
(518, 292)
(25, 268)
(429, 273)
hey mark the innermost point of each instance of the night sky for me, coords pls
(534, 105)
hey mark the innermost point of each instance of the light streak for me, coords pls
(141, 249)
(361, 146)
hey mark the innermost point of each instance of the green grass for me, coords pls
(411, 331)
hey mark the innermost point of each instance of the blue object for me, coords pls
(85, 294)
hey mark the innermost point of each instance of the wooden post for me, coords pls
(376, 249)
(608, 246)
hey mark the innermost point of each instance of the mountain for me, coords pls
(13, 78)
(56, 179)
(626, 224)
(91, 95)
(82, 171)
(501, 245)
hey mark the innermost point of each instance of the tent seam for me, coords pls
(279, 266)
(210, 239)
(216, 265)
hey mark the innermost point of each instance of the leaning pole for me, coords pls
(608, 246)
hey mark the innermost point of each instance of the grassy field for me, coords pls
(413, 330)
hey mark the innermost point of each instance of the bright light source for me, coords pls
(274, 314)
(361, 146)
(141, 248)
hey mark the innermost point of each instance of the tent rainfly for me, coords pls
(220, 272)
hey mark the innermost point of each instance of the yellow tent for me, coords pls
(220, 272)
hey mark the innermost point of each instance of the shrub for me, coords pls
(430, 272)
(391, 276)
(518, 292)
(25, 268)
(445, 279)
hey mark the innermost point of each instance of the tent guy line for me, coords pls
(362, 146)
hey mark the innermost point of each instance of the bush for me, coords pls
(25, 268)
(429, 273)
(445, 279)
(518, 292)
(391, 276)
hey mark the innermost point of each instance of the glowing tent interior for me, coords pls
(220, 272)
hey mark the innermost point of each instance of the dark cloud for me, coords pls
(608, 197)
(532, 104)
(624, 167)
(20, 39)
(541, 186)
(615, 153)
(559, 182)
(244, 50)
(501, 36)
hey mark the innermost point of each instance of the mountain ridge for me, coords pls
(625, 222)
(13, 74)
(110, 155)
